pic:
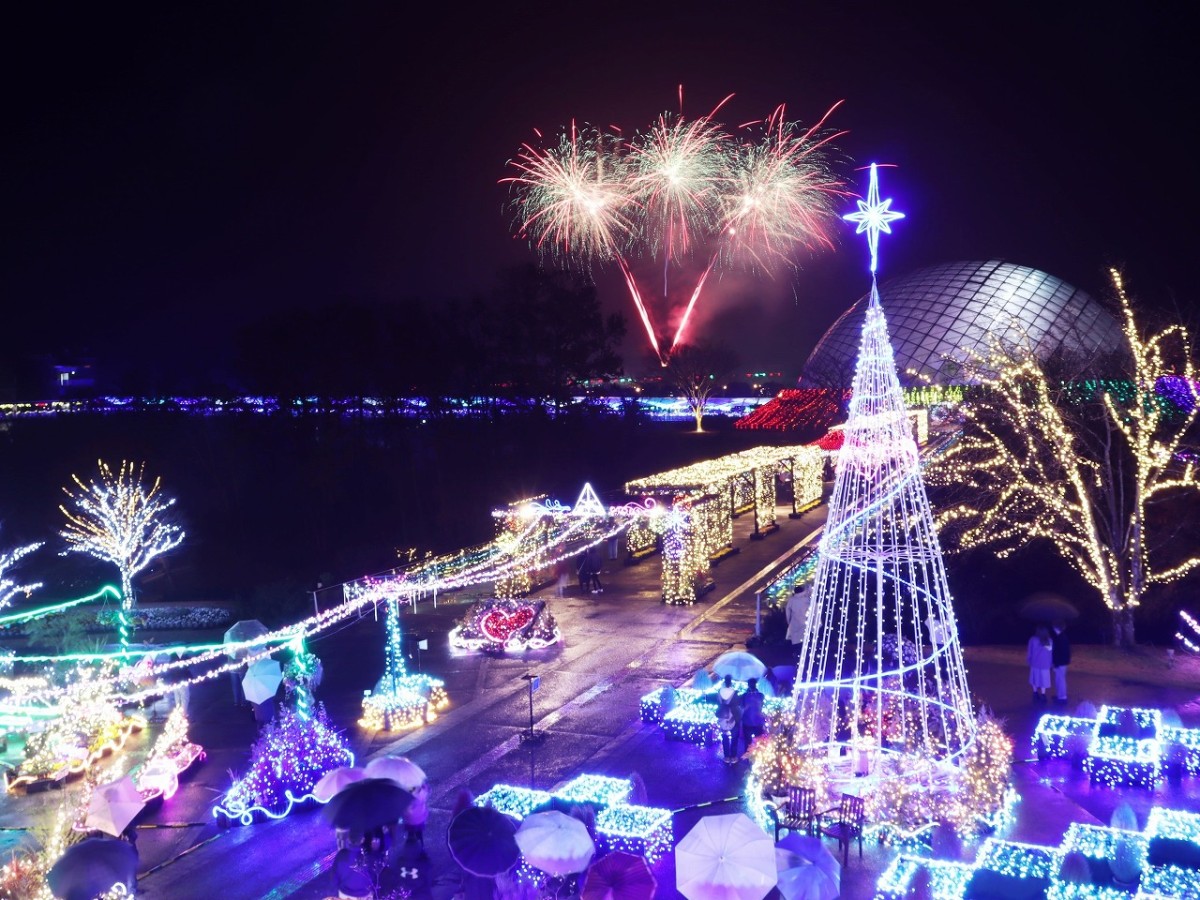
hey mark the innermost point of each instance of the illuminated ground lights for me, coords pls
(690, 714)
(1162, 861)
(643, 830)
(1121, 745)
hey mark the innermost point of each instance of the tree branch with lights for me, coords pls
(1079, 464)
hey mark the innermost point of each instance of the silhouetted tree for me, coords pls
(548, 331)
(696, 370)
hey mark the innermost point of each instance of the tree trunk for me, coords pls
(1122, 627)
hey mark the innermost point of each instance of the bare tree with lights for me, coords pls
(8, 587)
(1033, 466)
(696, 370)
(116, 519)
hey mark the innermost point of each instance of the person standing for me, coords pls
(729, 719)
(585, 578)
(1040, 655)
(562, 578)
(592, 567)
(754, 720)
(797, 614)
(1060, 659)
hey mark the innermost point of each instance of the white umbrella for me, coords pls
(741, 665)
(113, 806)
(335, 779)
(399, 769)
(556, 843)
(725, 858)
(261, 680)
(245, 630)
(807, 870)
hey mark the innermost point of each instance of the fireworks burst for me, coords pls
(689, 195)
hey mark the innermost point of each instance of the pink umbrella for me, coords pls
(619, 876)
(399, 769)
(334, 780)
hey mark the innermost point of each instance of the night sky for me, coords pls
(172, 172)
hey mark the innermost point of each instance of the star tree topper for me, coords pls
(874, 216)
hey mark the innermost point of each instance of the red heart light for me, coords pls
(499, 627)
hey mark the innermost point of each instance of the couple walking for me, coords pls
(740, 717)
(1049, 650)
(589, 572)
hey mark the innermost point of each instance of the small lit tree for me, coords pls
(1035, 465)
(695, 370)
(116, 519)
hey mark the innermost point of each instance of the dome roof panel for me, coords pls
(945, 311)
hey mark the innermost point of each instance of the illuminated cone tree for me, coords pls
(881, 666)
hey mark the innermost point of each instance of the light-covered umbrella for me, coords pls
(727, 857)
(618, 875)
(740, 665)
(807, 870)
(399, 769)
(261, 680)
(114, 805)
(334, 780)
(555, 842)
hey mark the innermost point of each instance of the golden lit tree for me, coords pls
(116, 519)
(1097, 480)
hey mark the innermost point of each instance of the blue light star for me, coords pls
(873, 216)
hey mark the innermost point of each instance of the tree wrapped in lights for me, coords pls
(1034, 467)
(869, 679)
(288, 759)
(116, 519)
(400, 699)
(9, 588)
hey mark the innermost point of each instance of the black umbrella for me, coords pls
(366, 804)
(92, 867)
(483, 841)
(1048, 608)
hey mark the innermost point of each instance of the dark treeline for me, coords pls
(532, 336)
